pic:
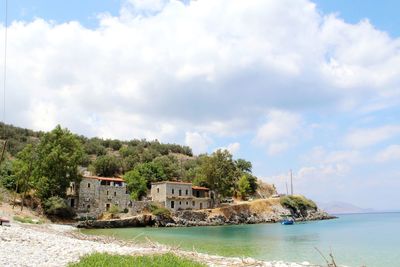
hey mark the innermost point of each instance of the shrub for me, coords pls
(114, 210)
(298, 203)
(56, 206)
(159, 211)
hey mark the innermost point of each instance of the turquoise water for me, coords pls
(371, 240)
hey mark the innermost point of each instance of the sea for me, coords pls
(371, 240)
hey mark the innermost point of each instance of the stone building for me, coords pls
(95, 195)
(181, 195)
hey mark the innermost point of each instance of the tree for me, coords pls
(170, 166)
(136, 184)
(244, 186)
(151, 172)
(243, 165)
(219, 172)
(107, 166)
(58, 156)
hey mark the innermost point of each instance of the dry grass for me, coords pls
(256, 206)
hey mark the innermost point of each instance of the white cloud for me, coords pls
(165, 68)
(233, 148)
(197, 141)
(360, 138)
(390, 153)
(280, 131)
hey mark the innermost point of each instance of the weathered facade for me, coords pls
(95, 195)
(181, 195)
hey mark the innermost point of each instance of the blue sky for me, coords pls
(313, 88)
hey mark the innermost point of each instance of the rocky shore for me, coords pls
(57, 245)
(262, 211)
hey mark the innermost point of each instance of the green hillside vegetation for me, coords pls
(44, 164)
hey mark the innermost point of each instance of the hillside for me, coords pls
(51, 160)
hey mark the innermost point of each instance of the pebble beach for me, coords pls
(58, 245)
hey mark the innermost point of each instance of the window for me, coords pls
(115, 194)
(172, 191)
(88, 206)
(180, 202)
(172, 204)
(180, 192)
(158, 190)
(187, 203)
(88, 185)
(187, 192)
(107, 192)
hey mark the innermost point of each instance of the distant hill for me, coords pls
(337, 207)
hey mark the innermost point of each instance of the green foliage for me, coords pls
(56, 206)
(298, 203)
(94, 147)
(170, 166)
(57, 158)
(244, 186)
(140, 178)
(218, 171)
(114, 209)
(244, 165)
(7, 177)
(164, 260)
(159, 210)
(136, 183)
(107, 166)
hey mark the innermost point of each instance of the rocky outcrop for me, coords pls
(259, 211)
(136, 221)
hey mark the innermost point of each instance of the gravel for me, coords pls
(58, 245)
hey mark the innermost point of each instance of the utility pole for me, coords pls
(291, 182)
(287, 190)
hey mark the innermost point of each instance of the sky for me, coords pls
(307, 86)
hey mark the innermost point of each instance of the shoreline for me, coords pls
(59, 245)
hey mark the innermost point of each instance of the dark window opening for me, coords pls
(72, 203)
(187, 192)
(180, 202)
(187, 203)
(115, 194)
(173, 191)
(172, 204)
(88, 206)
(158, 190)
(88, 185)
(180, 192)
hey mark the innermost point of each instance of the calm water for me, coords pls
(372, 240)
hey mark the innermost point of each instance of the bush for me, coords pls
(298, 203)
(114, 210)
(159, 211)
(56, 206)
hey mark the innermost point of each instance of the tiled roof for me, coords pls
(111, 179)
(200, 188)
(171, 182)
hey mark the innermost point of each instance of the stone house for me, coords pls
(95, 195)
(181, 195)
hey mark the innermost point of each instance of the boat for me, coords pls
(287, 222)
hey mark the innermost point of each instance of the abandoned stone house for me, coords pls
(181, 195)
(95, 195)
